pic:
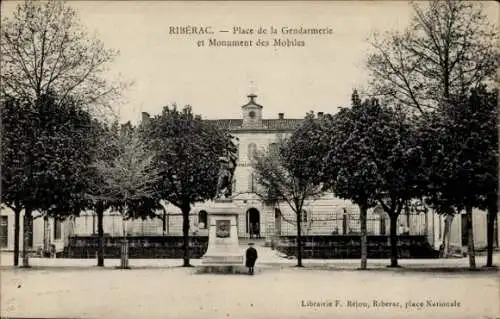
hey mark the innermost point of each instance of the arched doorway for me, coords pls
(202, 219)
(253, 223)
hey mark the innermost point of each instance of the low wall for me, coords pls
(139, 247)
(315, 247)
(349, 247)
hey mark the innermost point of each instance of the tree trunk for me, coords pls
(100, 235)
(299, 239)
(17, 219)
(164, 222)
(46, 235)
(426, 222)
(470, 239)
(26, 237)
(490, 229)
(407, 211)
(185, 234)
(124, 247)
(364, 251)
(344, 224)
(394, 240)
(124, 254)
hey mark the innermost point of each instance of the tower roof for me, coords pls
(251, 101)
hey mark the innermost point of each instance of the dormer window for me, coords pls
(251, 114)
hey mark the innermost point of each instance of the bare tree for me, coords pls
(44, 49)
(130, 182)
(449, 48)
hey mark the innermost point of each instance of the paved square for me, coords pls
(167, 291)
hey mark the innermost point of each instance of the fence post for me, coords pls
(124, 254)
(344, 224)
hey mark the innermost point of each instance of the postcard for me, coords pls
(249, 159)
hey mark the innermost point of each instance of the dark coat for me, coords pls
(251, 256)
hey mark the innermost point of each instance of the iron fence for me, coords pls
(317, 223)
(349, 224)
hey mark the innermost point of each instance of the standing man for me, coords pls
(251, 257)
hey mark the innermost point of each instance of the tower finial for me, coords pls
(252, 87)
(252, 97)
(252, 94)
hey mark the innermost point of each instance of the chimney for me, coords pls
(320, 115)
(281, 116)
(126, 128)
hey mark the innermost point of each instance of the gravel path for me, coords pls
(274, 292)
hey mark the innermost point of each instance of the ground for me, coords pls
(161, 289)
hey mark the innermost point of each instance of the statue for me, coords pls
(225, 178)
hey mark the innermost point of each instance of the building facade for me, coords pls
(327, 215)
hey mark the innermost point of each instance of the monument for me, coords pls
(223, 247)
(223, 251)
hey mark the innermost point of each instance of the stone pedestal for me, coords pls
(223, 247)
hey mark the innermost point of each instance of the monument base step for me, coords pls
(222, 260)
(222, 269)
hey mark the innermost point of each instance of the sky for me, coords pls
(171, 68)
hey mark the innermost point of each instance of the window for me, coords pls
(252, 150)
(304, 215)
(57, 228)
(251, 114)
(202, 219)
(4, 229)
(252, 182)
(277, 213)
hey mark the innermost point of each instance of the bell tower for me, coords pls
(252, 113)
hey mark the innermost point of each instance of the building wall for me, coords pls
(39, 229)
(479, 219)
(325, 217)
(438, 230)
(479, 228)
(455, 231)
(243, 171)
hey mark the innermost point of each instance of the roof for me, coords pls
(248, 196)
(267, 124)
(252, 102)
(227, 123)
(280, 124)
